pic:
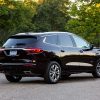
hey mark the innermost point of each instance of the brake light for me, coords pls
(34, 50)
(1, 49)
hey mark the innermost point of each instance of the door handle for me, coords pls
(81, 51)
(62, 51)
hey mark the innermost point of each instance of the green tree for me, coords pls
(16, 17)
(85, 21)
(51, 15)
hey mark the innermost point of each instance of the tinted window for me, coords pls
(51, 39)
(65, 40)
(19, 41)
(80, 43)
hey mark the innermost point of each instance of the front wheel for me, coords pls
(12, 78)
(96, 73)
(53, 72)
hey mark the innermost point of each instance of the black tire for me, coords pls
(53, 73)
(65, 76)
(96, 72)
(11, 78)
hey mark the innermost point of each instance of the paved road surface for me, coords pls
(78, 87)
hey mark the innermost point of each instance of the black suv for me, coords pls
(51, 55)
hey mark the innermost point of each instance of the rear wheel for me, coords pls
(53, 73)
(96, 73)
(12, 78)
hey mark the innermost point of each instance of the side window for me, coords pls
(65, 40)
(80, 43)
(52, 39)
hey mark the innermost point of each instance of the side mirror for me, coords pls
(91, 46)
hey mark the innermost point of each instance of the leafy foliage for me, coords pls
(81, 17)
(85, 21)
(50, 16)
(15, 17)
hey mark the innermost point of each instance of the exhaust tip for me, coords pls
(28, 72)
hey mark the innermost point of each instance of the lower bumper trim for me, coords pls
(16, 64)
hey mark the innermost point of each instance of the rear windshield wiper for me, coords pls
(20, 44)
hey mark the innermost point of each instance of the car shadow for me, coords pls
(39, 80)
(78, 79)
(71, 79)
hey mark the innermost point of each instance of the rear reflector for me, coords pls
(1, 49)
(34, 50)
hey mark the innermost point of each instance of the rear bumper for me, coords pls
(24, 69)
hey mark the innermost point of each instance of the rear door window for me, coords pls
(51, 39)
(65, 40)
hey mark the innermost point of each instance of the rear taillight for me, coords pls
(33, 50)
(1, 49)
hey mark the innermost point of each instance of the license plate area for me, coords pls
(13, 53)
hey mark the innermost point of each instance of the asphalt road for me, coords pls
(77, 87)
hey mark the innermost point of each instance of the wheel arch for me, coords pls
(57, 60)
(96, 60)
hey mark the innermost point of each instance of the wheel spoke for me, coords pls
(58, 72)
(15, 77)
(51, 72)
(53, 75)
(53, 68)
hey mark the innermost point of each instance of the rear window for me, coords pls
(20, 41)
(51, 39)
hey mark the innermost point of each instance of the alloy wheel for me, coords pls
(54, 72)
(98, 68)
